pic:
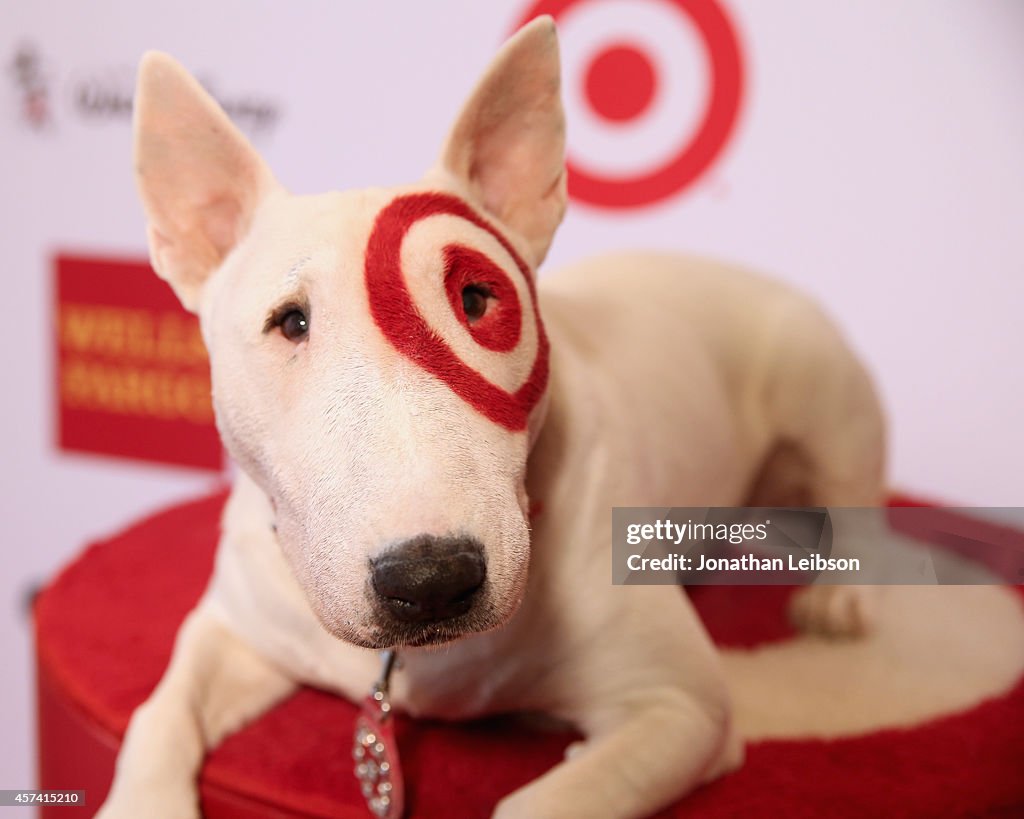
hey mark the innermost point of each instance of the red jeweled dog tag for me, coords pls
(375, 751)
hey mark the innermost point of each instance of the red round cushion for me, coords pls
(105, 627)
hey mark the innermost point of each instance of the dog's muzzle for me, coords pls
(429, 579)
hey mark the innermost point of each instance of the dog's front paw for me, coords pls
(835, 611)
(167, 802)
(528, 804)
(516, 807)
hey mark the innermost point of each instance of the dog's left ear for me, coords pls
(508, 143)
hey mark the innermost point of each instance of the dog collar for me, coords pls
(374, 750)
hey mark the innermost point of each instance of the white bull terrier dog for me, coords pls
(382, 376)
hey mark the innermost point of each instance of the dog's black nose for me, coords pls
(429, 578)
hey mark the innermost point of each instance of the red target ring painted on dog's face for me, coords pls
(500, 327)
(695, 154)
(405, 327)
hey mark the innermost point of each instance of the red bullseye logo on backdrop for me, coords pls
(652, 90)
(500, 330)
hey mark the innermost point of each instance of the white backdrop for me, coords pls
(877, 163)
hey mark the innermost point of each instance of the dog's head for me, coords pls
(379, 364)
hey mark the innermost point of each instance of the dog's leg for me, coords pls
(634, 761)
(846, 459)
(831, 453)
(214, 685)
(641, 681)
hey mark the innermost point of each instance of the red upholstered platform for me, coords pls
(105, 628)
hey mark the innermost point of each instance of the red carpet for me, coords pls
(105, 628)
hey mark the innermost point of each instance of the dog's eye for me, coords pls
(294, 325)
(474, 301)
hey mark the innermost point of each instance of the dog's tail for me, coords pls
(936, 650)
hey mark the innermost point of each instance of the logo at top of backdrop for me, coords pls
(102, 93)
(31, 79)
(652, 91)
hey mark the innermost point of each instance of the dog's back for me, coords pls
(709, 354)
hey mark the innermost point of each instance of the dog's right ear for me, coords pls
(199, 178)
(508, 144)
